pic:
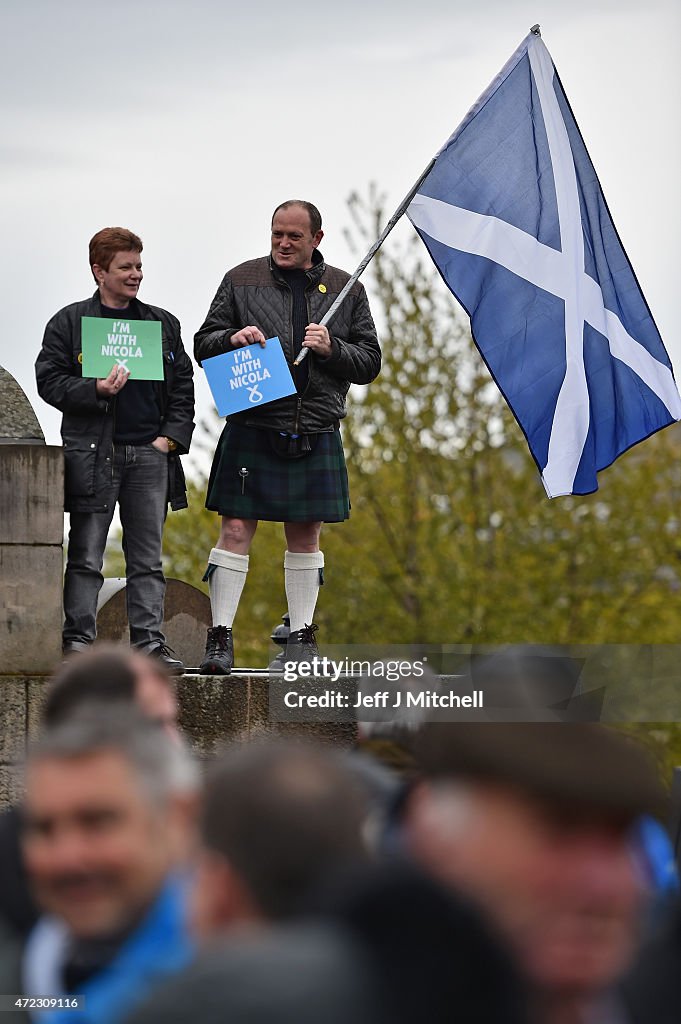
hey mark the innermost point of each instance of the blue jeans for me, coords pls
(139, 484)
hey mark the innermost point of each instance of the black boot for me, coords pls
(219, 657)
(166, 655)
(301, 644)
(70, 647)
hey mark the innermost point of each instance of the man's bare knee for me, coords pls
(236, 534)
(303, 537)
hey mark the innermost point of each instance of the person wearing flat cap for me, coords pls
(534, 822)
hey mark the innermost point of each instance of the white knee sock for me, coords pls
(226, 582)
(303, 577)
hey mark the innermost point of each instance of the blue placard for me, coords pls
(248, 377)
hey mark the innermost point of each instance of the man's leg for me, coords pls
(226, 573)
(83, 578)
(303, 576)
(227, 568)
(143, 502)
(303, 571)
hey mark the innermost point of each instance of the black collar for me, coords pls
(314, 274)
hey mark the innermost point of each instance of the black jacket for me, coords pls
(652, 989)
(256, 293)
(88, 421)
(17, 909)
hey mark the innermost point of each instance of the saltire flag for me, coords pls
(514, 218)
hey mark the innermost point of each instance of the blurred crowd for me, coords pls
(482, 873)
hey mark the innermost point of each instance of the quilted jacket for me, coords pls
(255, 293)
(88, 420)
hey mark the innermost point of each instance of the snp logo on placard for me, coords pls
(248, 376)
(248, 372)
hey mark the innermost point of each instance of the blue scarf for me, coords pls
(160, 946)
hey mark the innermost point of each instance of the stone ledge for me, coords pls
(217, 709)
(11, 784)
(31, 596)
(214, 710)
(13, 724)
(31, 494)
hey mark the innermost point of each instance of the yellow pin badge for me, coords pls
(322, 289)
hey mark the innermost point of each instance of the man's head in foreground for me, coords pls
(107, 812)
(276, 818)
(533, 822)
(113, 674)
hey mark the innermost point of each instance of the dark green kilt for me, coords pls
(309, 489)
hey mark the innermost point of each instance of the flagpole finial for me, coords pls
(535, 30)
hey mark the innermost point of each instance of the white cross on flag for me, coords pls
(514, 218)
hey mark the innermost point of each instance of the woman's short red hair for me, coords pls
(107, 242)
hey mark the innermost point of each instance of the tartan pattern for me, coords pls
(310, 489)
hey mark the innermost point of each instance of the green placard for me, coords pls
(135, 344)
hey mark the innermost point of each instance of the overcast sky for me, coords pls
(189, 121)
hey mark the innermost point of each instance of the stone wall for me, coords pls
(213, 711)
(20, 703)
(31, 535)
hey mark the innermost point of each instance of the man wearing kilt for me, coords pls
(284, 461)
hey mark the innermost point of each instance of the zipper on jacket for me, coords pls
(299, 398)
(301, 395)
(113, 434)
(113, 445)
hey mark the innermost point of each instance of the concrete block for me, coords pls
(12, 718)
(31, 596)
(259, 706)
(35, 698)
(11, 785)
(31, 494)
(215, 710)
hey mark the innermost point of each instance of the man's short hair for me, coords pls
(105, 674)
(312, 212)
(164, 768)
(283, 815)
(107, 242)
